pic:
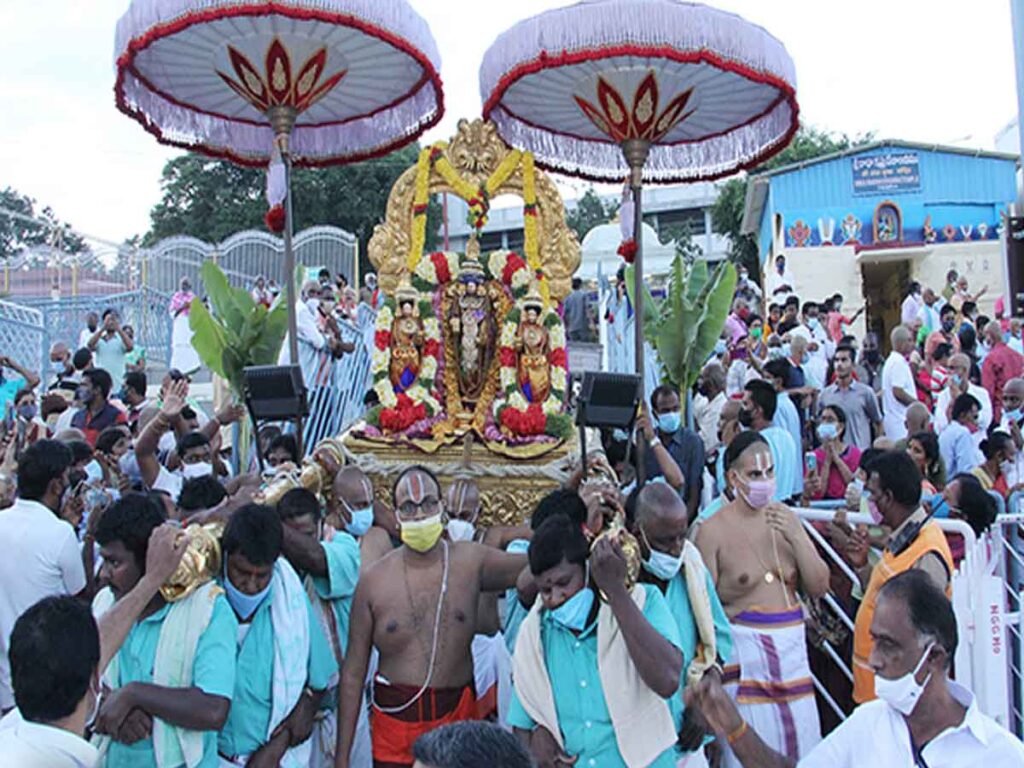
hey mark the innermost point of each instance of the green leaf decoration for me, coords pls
(208, 337)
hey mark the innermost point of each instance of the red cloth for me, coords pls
(393, 734)
(1001, 364)
(835, 323)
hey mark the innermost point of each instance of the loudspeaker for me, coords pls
(275, 392)
(608, 400)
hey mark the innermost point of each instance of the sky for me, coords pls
(936, 72)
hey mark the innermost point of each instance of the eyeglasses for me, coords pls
(428, 506)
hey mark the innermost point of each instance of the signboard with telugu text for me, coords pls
(886, 174)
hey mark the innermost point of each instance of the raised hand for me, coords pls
(608, 565)
(167, 545)
(174, 399)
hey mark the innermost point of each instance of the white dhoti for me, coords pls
(492, 675)
(183, 355)
(325, 734)
(771, 682)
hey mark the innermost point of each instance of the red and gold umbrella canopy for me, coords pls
(360, 76)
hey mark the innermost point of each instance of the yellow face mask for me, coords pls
(421, 535)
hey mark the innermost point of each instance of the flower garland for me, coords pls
(508, 268)
(400, 410)
(438, 269)
(531, 239)
(420, 203)
(512, 411)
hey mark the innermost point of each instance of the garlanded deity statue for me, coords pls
(472, 326)
(532, 344)
(406, 339)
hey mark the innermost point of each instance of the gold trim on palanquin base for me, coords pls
(511, 482)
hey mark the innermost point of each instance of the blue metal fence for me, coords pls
(22, 335)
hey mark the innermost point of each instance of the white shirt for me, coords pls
(34, 745)
(776, 282)
(817, 360)
(83, 339)
(980, 394)
(909, 310)
(896, 373)
(169, 482)
(707, 420)
(308, 330)
(40, 557)
(876, 734)
(1015, 475)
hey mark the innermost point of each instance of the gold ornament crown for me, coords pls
(533, 299)
(406, 293)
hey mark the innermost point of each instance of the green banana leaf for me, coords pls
(208, 337)
(651, 307)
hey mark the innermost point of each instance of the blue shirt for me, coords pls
(342, 554)
(213, 672)
(787, 464)
(8, 389)
(515, 611)
(679, 605)
(583, 716)
(958, 450)
(786, 416)
(248, 722)
(687, 449)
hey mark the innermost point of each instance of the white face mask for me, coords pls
(200, 469)
(903, 693)
(460, 530)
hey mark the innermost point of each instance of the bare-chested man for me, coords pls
(418, 606)
(758, 555)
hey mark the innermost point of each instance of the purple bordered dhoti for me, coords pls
(771, 682)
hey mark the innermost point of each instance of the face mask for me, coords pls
(361, 520)
(27, 412)
(573, 613)
(660, 565)
(827, 431)
(669, 421)
(947, 325)
(958, 380)
(200, 469)
(804, 358)
(759, 492)
(872, 355)
(1013, 415)
(57, 367)
(130, 466)
(93, 471)
(243, 604)
(421, 535)
(903, 693)
(460, 530)
(940, 507)
(746, 418)
(837, 308)
(83, 394)
(755, 334)
(720, 347)
(872, 509)
(786, 350)
(812, 323)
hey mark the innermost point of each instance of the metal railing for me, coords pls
(987, 601)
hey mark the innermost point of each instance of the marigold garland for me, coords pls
(420, 203)
(531, 239)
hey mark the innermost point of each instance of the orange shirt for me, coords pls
(929, 539)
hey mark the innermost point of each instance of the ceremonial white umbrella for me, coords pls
(652, 90)
(318, 81)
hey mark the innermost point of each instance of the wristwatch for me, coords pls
(655, 442)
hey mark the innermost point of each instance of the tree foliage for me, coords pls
(17, 234)
(588, 212)
(727, 213)
(212, 199)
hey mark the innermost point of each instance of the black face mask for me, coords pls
(746, 417)
(872, 355)
(947, 325)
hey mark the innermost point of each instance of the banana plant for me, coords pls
(238, 333)
(684, 326)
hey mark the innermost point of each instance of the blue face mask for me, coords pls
(361, 520)
(940, 507)
(57, 366)
(720, 347)
(244, 605)
(669, 421)
(573, 613)
(1013, 415)
(827, 430)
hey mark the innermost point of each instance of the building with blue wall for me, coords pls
(867, 221)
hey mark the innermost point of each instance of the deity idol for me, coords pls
(473, 329)
(406, 340)
(532, 344)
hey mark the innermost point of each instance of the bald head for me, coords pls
(1013, 395)
(352, 486)
(658, 499)
(59, 352)
(714, 378)
(960, 364)
(993, 334)
(902, 339)
(917, 418)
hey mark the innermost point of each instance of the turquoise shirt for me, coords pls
(8, 389)
(338, 586)
(515, 611)
(249, 720)
(583, 716)
(708, 512)
(213, 672)
(788, 461)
